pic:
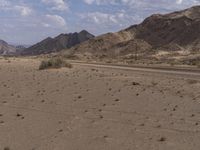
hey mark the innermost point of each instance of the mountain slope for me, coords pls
(6, 49)
(182, 28)
(58, 43)
(171, 32)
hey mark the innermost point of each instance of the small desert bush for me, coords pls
(6, 148)
(191, 81)
(198, 64)
(194, 62)
(172, 64)
(54, 63)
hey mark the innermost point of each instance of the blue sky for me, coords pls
(29, 21)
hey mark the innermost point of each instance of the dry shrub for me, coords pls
(56, 62)
(191, 81)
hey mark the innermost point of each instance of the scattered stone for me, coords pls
(142, 124)
(117, 100)
(6, 148)
(18, 115)
(101, 117)
(158, 126)
(162, 139)
(135, 83)
(105, 136)
(100, 110)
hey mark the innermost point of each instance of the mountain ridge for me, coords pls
(6, 49)
(174, 31)
(58, 43)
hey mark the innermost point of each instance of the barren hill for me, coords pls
(181, 28)
(58, 43)
(6, 49)
(177, 31)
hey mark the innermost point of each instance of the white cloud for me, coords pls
(99, 18)
(55, 20)
(24, 10)
(179, 1)
(59, 5)
(89, 1)
(46, 25)
(9, 6)
(99, 22)
(4, 3)
(101, 2)
(108, 18)
(162, 4)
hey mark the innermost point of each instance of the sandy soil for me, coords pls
(89, 108)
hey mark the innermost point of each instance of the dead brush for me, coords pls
(56, 63)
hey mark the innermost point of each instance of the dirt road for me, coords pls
(166, 70)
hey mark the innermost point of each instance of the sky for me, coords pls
(29, 21)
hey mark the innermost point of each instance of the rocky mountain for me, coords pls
(63, 41)
(6, 49)
(179, 28)
(174, 32)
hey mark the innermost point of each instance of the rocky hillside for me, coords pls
(6, 49)
(63, 41)
(174, 32)
(181, 28)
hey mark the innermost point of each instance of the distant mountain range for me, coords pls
(58, 43)
(7, 49)
(176, 34)
(10, 49)
(171, 32)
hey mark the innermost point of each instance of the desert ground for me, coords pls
(90, 107)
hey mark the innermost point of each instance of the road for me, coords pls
(166, 70)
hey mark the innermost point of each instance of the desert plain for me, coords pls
(90, 107)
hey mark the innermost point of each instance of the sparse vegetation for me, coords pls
(192, 81)
(198, 64)
(193, 62)
(56, 62)
(70, 56)
(172, 64)
(6, 148)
